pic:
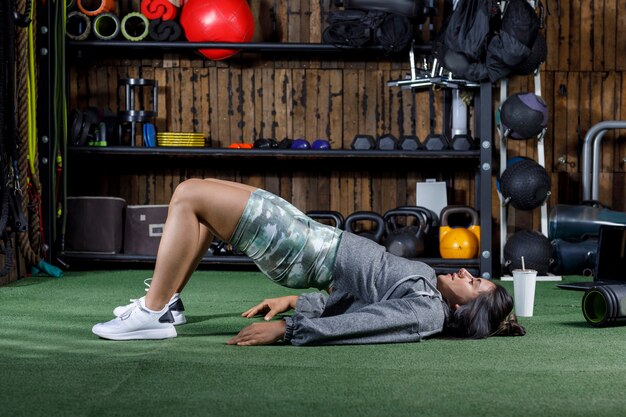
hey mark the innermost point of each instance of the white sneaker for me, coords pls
(138, 323)
(175, 305)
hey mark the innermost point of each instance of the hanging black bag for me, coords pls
(394, 33)
(347, 29)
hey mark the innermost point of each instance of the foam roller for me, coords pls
(578, 221)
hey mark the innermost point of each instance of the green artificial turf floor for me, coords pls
(52, 365)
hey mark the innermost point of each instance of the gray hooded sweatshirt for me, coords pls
(376, 297)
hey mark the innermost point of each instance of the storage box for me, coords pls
(143, 229)
(95, 224)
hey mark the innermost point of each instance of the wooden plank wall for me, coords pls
(335, 97)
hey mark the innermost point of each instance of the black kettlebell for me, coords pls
(431, 229)
(406, 241)
(358, 216)
(334, 216)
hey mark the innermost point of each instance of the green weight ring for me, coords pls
(135, 26)
(106, 26)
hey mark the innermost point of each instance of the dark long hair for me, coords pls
(489, 314)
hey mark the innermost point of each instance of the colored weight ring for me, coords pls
(106, 26)
(78, 26)
(135, 26)
(95, 7)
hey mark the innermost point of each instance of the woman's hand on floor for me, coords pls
(272, 306)
(259, 334)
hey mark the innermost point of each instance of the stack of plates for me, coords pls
(180, 139)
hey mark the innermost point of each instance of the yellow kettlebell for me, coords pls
(459, 242)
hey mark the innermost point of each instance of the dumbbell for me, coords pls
(285, 143)
(436, 142)
(320, 144)
(387, 142)
(463, 142)
(409, 143)
(363, 142)
(301, 144)
(265, 144)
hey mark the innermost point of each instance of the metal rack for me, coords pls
(479, 160)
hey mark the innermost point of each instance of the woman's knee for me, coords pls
(187, 192)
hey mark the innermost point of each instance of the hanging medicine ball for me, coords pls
(533, 246)
(525, 184)
(523, 115)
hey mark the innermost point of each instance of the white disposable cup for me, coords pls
(524, 291)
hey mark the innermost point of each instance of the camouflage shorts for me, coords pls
(290, 248)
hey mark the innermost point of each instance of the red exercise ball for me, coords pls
(217, 21)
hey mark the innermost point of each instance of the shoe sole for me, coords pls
(148, 334)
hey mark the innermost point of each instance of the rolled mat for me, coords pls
(158, 9)
(106, 26)
(78, 26)
(135, 26)
(164, 31)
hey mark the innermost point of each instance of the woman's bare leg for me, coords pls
(199, 209)
(206, 236)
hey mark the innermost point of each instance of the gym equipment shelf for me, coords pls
(183, 152)
(242, 46)
(478, 161)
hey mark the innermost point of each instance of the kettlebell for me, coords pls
(379, 224)
(406, 241)
(459, 242)
(431, 230)
(334, 216)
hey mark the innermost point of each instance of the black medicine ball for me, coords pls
(533, 246)
(525, 184)
(523, 115)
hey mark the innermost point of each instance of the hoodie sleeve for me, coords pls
(311, 304)
(388, 321)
